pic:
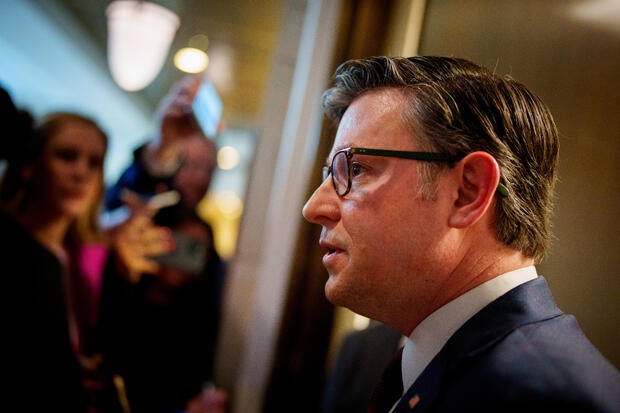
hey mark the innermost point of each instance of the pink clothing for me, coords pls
(91, 263)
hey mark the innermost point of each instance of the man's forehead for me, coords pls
(373, 120)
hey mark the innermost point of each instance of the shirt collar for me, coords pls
(427, 339)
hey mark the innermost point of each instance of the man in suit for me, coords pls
(435, 208)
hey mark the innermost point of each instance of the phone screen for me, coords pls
(207, 108)
(189, 255)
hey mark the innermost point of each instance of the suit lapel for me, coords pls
(424, 391)
(527, 303)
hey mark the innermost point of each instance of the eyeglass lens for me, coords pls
(340, 173)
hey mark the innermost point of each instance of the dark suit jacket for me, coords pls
(361, 359)
(519, 354)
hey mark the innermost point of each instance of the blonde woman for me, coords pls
(53, 257)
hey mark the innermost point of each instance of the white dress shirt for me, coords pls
(427, 339)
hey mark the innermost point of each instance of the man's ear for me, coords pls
(478, 176)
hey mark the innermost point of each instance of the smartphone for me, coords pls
(207, 108)
(189, 254)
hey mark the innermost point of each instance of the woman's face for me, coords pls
(68, 177)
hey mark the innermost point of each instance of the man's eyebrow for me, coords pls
(338, 149)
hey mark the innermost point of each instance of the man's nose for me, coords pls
(307, 210)
(321, 206)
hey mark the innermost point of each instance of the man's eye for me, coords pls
(356, 169)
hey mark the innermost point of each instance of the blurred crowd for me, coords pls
(109, 315)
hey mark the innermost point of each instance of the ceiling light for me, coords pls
(191, 60)
(139, 38)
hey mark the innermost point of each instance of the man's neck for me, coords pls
(472, 271)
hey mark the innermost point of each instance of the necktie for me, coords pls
(390, 387)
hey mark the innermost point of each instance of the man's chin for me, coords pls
(332, 291)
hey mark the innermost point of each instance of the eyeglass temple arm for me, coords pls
(422, 156)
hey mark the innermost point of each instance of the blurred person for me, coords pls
(171, 351)
(53, 254)
(361, 358)
(435, 208)
(210, 400)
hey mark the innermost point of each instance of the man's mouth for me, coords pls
(326, 245)
(330, 248)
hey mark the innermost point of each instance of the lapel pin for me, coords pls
(413, 401)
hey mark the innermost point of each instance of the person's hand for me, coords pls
(137, 240)
(176, 123)
(210, 400)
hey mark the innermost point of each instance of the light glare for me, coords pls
(229, 204)
(227, 158)
(191, 60)
(360, 322)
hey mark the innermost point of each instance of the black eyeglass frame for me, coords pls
(418, 156)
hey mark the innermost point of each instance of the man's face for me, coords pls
(383, 241)
(193, 178)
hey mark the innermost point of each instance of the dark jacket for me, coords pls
(40, 367)
(169, 345)
(519, 354)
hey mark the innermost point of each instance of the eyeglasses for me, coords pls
(341, 168)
